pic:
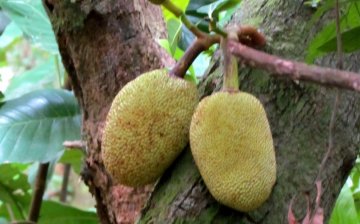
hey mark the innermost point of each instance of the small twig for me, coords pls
(295, 70)
(339, 65)
(75, 145)
(65, 181)
(39, 189)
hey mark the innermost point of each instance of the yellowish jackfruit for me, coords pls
(231, 143)
(147, 127)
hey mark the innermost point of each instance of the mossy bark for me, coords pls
(299, 115)
(106, 43)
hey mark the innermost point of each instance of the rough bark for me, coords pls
(105, 44)
(299, 115)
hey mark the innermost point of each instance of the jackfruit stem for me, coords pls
(198, 46)
(230, 64)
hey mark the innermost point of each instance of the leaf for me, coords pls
(34, 126)
(350, 42)
(174, 33)
(223, 6)
(345, 210)
(40, 77)
(181, 4)
(56, 213)
(14, 189)
(349, 21)
(194, 5)
(3, 221)
(186, 38)
(165, 44)
(10, 34)
(73, 157)
(32, 19)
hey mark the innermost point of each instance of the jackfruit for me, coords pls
(232, 146)
(147, 127)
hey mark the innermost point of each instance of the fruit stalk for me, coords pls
(230, 64)
(198, 46)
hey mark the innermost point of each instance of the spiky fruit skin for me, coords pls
(231, 143)
(147, 127)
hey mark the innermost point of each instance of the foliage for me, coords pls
(325, 41)
(347, 208)
(36, 117)
(34, 126)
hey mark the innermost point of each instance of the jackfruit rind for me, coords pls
(231, 143)
(147, 127)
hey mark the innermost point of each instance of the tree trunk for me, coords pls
(104, 44)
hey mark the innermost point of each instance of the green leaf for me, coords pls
(56, 213)
(34, 126)
(345, 210)
(350, 42)
(181, 4)
(194, 5)
(10, 34)
(174, 34)
(74, 158)
(14, 189)
(165, 44)
(349, 21)
(223, 5)
(43, 76)
(32, 19)
(3, 221)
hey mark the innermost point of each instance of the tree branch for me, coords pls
(65, 181)
(39, 189)
(295, 70)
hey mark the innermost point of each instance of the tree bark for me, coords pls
(105, 44)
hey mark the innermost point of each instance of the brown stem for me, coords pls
(65, 181)
(198, 46)
(295, 70)
(39, 189)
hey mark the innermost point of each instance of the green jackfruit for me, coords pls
(147, 127)
(231, 143)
